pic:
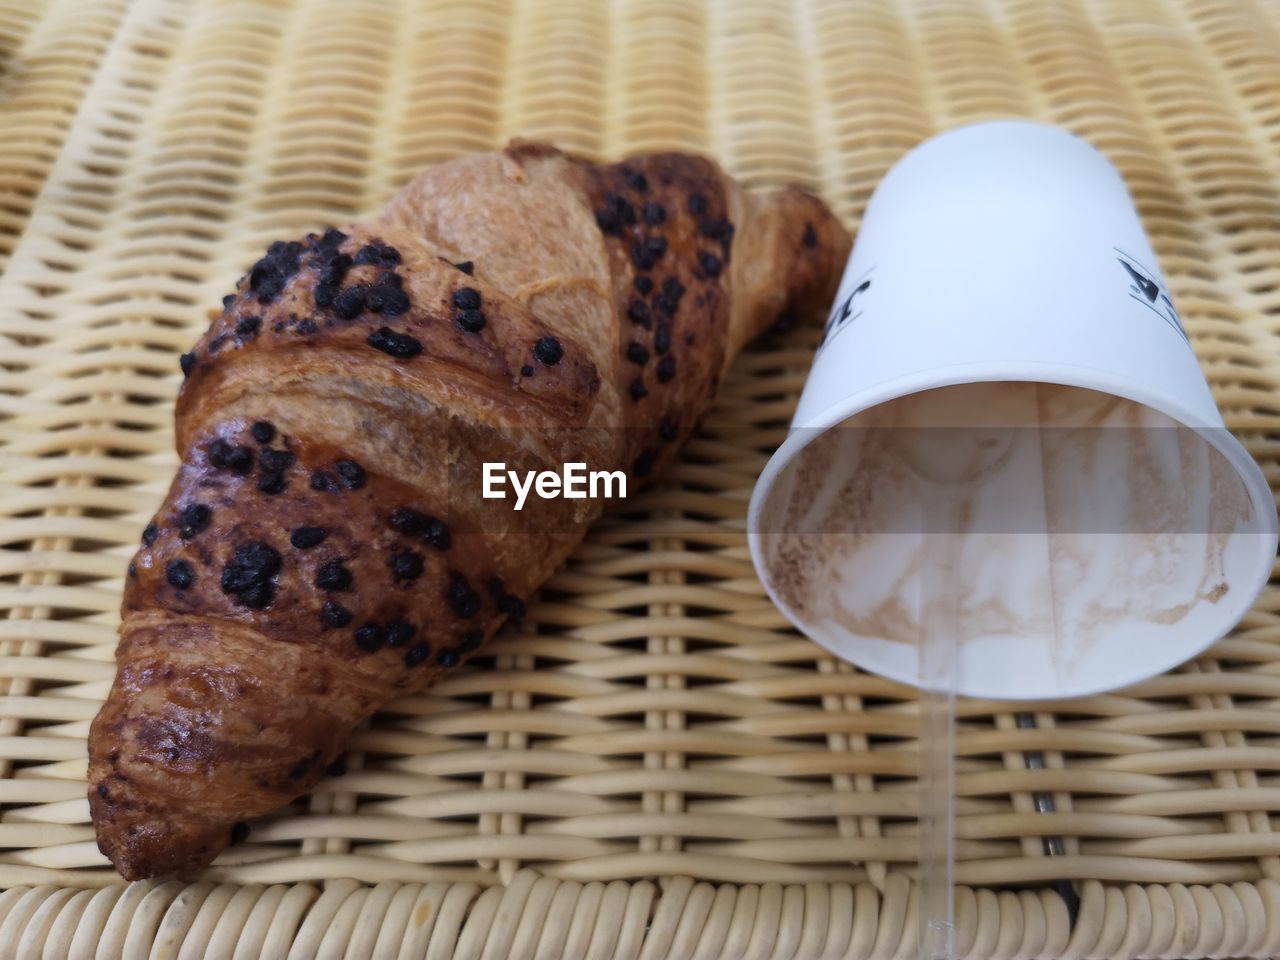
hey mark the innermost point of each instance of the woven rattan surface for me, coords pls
(657, 765)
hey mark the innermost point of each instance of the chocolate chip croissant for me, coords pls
(326, 545)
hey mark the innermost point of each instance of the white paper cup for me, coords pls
(1003, 344)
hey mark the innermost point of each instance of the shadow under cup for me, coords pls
(1091, 541)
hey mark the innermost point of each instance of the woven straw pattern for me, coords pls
(656, 718)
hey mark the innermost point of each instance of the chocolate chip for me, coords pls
(637, 181)
(352, 473)
(513, 607)
(437, 534)
(180, 574)
(335, 614)
(717, 228)
(616, 214)
(258, 597)
(149, 534)
(276, 461)
(466, 298)
(643, 285)
(638, 312)
(647, 251)
(415, 523)
(263, 431)
(643, 465)
(271, 483)
(223, 456)
(265, 283)
(726, 241)
(637, 389)
(662, 339)
(286, 253)
(304, 538)
(350, 303)
(400, 632)
(668, 301)
(228, 300)
(471, 641)
(132, 571)
(395, 302)
(387, 299)
(247, 328)
(637, 353)
(307, 326)
(417, 654)
(810, 238)
(697, 204)
(608, 222)
(472, 321)
(378, 254)
(102, 791)
(462, 598)
(337, 769)
(369, 637)
(247, 575)
(240, 461)
(654, 213)
(466, 266)
(239, 833)
(325, 294)
(335, 271)
(399, 345)
(188, 363)
(406, 565)
(667, 429)
(333, 577)
(447, 658)
(269, 275)
(193, 519)
(666, 368)
(526, 371)
(325, 482)
(548, 351)
(331, 240)
(408, 521)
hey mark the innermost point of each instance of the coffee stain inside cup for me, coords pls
(1080, 514)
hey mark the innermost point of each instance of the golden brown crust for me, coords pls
(324, 545)
(173, 770)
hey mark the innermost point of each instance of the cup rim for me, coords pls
(1058, 374)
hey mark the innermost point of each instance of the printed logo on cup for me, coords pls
(1150, 292)
(1006, 387)
(847, 309)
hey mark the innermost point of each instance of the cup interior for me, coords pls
(1076, 541)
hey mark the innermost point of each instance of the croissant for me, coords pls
(326, 545)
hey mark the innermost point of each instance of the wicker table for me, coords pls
(657, 766)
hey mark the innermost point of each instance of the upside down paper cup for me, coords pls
(1004, 365)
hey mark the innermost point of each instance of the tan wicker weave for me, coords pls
(657, 720)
